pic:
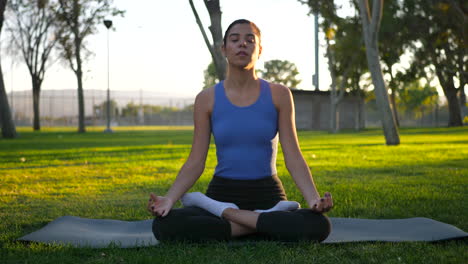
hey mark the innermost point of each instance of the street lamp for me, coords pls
(108, 24)
(315, 79)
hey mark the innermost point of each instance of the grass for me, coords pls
(57, 172)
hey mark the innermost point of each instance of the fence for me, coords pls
(425, 116)
(60, 108)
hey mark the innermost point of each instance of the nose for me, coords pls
(243, 43)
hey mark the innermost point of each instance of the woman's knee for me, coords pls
(299, 225)
(163, 227)
(171, 226)
(319, 226)
(190, 224)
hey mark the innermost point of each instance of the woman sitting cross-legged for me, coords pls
(247, 117)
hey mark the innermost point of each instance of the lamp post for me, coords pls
(315, 79)
(108, 24)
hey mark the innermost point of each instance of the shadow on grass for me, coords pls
(79, 155)
(432, 142)
(83, 164)
(70, 140)
(433, 131)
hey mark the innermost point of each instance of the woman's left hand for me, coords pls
(324, 204)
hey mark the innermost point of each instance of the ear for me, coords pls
(259, 50)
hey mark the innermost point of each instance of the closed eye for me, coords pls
(251, 39)
(234, 37)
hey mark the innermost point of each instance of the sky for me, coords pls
(158, 47)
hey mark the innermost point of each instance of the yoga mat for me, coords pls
(98, 233)
(391, 230)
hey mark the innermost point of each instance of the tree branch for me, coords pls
(365, 11)
(377, 9)
(459, 10)
(2, 11)
(200, 25)
(89, 24)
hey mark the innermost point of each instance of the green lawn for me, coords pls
(57, 172)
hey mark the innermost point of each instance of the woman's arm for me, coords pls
(293, 157)
(195, 164)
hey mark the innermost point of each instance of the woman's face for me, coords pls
(242, 48)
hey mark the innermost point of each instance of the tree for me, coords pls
(341, 36)
(100, 109)
(441, 46)
(78, 19)
(31, 34)
(418, 97)
(336, 95)
(371, 24)
(281, 71)
(133, 110)
(394, 40)
(6, 121)
(434, 35)
(214, 11)
(210, 77)
(345, 54)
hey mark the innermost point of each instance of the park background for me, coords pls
(56, 171)
(155, 43)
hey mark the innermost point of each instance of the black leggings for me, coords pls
(196, 224)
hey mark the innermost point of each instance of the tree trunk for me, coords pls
(455, 118)
(335, 96)
(81, 113)
(217, 35)
(394, 107)
(7, 124)
(77, 41)
(464, 111)
(463, 71)
(463, 81)
(79, 75)
(381, 95)
(370, 30)
(216, 32)
(36, 83)
(393, 98)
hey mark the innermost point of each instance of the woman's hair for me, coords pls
(242, 21)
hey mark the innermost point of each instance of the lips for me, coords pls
(241, 53)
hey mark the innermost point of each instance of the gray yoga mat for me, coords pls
(97, 233)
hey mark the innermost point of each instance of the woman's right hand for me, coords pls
(324, 204)
(159, 205)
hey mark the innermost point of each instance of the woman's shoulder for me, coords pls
(205, 98)
(279, 89)
(280, 94)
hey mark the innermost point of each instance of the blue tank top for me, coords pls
(245, 137)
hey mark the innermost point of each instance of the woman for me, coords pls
(245, 115)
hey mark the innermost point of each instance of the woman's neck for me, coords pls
(240, 79)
